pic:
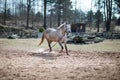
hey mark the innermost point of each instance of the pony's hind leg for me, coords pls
(49, 45)
(61, 47)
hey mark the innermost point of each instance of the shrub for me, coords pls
(41, 29)
(78, 39)
(13, 36)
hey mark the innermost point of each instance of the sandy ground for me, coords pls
(19, 64)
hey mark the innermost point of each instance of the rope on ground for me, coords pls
(51, 47)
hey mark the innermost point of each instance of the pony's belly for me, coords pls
(53, 38)
(56, 39)
(53, 35)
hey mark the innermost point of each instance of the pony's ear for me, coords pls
(67, 22)
(64, 23)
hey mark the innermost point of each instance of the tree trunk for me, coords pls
(59, 12)
(64, 12)
(98, 16)
(107, 26)
(28, 13)
(51, 15)
(108, 14)
(4, 18)
(45, 5)
(98, 22)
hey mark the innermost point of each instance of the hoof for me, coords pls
(67, 53)
(61, 51)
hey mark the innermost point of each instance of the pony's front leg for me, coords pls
(61, 47)
(66, 48)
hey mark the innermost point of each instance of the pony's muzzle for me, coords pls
(69, 31)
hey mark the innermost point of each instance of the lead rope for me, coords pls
(51, 47)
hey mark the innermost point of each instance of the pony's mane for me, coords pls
(60, 26)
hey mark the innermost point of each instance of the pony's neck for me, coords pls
(61, 29)
(62, 25)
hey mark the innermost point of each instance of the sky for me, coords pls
(84, 5)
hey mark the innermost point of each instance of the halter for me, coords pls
(63, 26)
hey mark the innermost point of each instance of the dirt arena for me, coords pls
(20, 60)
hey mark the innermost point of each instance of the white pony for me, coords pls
(57, 35)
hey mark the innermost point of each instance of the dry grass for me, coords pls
(31, 44)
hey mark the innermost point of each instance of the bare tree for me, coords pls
(107, 6)
(51, 15)
(45, 5)
(108, 13)
(29, 6)
(59, 12)
(98, 15)
(28, 13)
(5, 9)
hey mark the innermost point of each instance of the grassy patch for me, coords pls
(29, 44)
(106, 45)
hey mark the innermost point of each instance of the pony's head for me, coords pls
(67, 28)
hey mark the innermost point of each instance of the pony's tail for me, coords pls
(41, 40)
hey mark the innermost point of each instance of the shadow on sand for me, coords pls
(46, 55)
